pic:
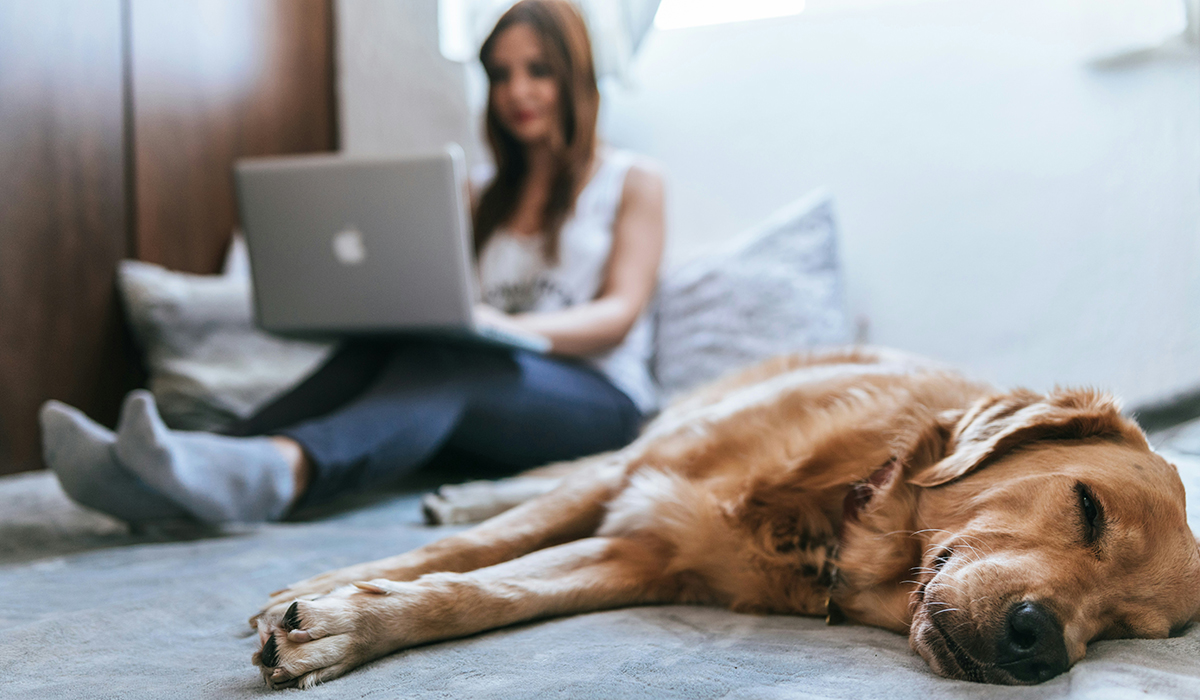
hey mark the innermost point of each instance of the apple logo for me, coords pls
(348, 246)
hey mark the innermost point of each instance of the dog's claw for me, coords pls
(368, 587)
(291, 618)
(299, 636)
(269, 656)
(283, 684)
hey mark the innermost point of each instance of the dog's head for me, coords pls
(1050, 523)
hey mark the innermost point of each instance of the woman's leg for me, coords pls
(512, 408)
(517, 409)
(245, 476)
(400, 422)
(349, 371)
(216, 478)
(222, 478)
(548, 410)
(82, 454)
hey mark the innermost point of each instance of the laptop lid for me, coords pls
(342, 245)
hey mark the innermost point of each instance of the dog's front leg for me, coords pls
(571, 511)
(314, 640)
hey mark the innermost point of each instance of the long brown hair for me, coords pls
(568, 53)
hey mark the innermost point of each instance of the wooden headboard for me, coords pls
(119, 121)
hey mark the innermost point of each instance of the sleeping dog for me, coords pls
(1002, 532)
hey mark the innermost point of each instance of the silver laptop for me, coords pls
(350, 246)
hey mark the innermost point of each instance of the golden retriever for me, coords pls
(1001, 531)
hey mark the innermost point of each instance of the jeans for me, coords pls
(379, 409)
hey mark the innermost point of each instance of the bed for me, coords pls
(93, 609)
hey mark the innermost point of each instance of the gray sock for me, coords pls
(80, 452)
(215, 477)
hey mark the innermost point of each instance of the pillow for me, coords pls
(774, 289)
(209, 366)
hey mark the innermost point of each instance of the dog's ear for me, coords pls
(995, 425)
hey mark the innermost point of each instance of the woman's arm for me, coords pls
(638, 235)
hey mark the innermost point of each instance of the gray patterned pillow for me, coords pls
(774, 289)
(209, 366)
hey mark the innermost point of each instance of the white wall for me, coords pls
(1004, 206)
(396, 94)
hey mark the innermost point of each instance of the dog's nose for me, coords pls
(1032, 647)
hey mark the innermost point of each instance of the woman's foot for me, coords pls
(216, 478)
(80, 452)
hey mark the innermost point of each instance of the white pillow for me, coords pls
(209, 366)
(771, 290)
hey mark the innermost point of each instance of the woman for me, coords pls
(568, 238)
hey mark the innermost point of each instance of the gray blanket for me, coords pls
(91, 610)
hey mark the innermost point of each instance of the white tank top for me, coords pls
(515, 277)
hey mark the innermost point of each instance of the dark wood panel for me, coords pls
(62, 214)
(115, 106)
(214, 80)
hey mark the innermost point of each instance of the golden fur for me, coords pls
(865, 483)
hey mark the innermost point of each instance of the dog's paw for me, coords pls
(476, 501)
(319, 585)
(308, 641)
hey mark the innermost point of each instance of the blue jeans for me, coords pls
(379, 409)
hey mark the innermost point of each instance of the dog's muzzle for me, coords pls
(1031, 646)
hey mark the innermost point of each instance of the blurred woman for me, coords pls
(568, 239)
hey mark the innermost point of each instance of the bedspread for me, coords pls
(91, 610)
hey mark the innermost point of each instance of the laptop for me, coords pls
(343, 246)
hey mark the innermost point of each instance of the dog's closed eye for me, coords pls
(1091, 513)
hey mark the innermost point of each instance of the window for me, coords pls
(677, 14)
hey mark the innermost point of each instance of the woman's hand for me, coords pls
(491, 317)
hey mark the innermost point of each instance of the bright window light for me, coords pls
(677, 14)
